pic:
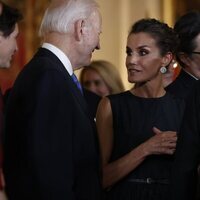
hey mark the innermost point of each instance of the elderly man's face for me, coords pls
(8, 46)
(91, 38)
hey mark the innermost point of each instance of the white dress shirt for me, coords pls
(61, 56)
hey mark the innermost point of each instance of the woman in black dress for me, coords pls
(138, 128)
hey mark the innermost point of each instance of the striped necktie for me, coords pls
(74, 78)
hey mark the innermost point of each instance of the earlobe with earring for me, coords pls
(163, 70)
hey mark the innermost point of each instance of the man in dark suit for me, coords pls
(184, 173)
(188, 31)
(187, 155)
(51, 151)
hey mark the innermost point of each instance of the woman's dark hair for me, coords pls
(8, 18)
(165, 37)
(188, 28)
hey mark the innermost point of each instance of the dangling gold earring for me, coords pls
(163, 70)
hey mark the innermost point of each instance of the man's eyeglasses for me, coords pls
(196, 52)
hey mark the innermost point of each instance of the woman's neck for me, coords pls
(149, 90)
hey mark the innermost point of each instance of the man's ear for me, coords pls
(78, 29)
(167, 59)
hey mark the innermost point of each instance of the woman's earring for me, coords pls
(163, 70)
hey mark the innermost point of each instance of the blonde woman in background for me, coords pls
(102, 78)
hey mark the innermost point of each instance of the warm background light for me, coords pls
(118, 16)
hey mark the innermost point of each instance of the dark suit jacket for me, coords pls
(182, 85)
(187, 155)
(183, 183)
(51, 149)
(92, 101)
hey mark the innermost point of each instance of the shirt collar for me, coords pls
(61, 56)
(191, 75)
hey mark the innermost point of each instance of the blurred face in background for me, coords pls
(194, 59)
(8, 47)
(95, 83)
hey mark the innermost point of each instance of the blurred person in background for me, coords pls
(102, 78)
(185, 179)
(187, 28)
(9, 18)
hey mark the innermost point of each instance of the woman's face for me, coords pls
(143, 60)
(95, 83)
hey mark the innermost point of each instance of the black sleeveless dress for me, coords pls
(133, 120)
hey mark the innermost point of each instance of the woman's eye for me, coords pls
(143, 52)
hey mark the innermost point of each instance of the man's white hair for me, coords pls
(61, 15)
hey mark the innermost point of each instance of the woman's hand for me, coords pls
(163, 142)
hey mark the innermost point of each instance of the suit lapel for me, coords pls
(69, 82)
